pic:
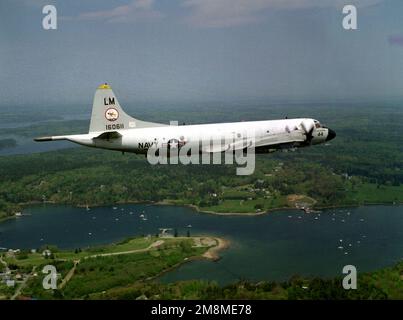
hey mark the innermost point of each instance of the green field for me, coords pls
(382, 284)
(367, 193)
(94, 177)
(363, 165)
(131, 276)
(96, 269)
(247, 206)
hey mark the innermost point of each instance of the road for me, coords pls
(216, 244)
(23, 284)
(70, 274)
(155, 244)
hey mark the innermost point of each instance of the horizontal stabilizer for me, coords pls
(54, 138)
(43, 139)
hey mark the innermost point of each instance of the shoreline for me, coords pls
(211, 254)
(198, 209)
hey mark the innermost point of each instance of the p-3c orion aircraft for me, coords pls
(111, 128)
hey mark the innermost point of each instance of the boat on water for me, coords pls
(309, 210)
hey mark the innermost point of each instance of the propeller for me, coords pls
(308, 127)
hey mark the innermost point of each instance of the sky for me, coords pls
(200, 50)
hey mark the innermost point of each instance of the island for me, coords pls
(84, 273)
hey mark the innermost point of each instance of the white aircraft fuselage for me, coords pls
(111, 128)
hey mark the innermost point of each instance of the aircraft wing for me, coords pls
(236, 145)
(272, 140)
(282, 138)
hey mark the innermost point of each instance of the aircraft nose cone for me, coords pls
(330, 135)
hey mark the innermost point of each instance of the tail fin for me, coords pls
(107, 114)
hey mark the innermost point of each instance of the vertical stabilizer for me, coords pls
(107, 115)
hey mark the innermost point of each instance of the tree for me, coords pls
(258, 206)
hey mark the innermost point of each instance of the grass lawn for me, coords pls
(35, 259)
(98, 273)
(247, 206)
(370, 193)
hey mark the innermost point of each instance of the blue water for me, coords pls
(274, 246)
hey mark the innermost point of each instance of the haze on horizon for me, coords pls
(200, 50)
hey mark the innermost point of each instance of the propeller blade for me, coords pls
(308, 127)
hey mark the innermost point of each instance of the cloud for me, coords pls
(227, 13)
(34, 3)
(135, 11)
